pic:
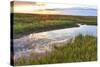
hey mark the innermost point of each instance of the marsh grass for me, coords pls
(84, 48)
(24, 24)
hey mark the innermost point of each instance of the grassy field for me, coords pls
(84, 48)
(24, 24)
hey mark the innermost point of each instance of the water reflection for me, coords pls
(72, 32)
(40, 42)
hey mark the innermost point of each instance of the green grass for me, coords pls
(24, 24)
(84, 48)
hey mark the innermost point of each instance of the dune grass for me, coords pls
(84, 48)
(24, 24)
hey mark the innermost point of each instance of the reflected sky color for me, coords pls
(54, 8)
(22, 45)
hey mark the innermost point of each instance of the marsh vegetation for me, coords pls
(24, 24)
(84, 48)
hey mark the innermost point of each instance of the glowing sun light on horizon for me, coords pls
(42, 8)
(46, 12)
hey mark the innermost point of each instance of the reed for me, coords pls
(84, 48)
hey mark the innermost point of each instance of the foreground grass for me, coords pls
(24, 24)
(84, 48)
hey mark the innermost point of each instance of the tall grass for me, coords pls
(84, 48)
(24, 24)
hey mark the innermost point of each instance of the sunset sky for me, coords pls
(45, 8)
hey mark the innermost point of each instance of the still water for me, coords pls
(39, 42)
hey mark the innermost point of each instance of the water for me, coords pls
(40, 42)
(72, 32)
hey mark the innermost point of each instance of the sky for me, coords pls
(84, 2)
(45, 7)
